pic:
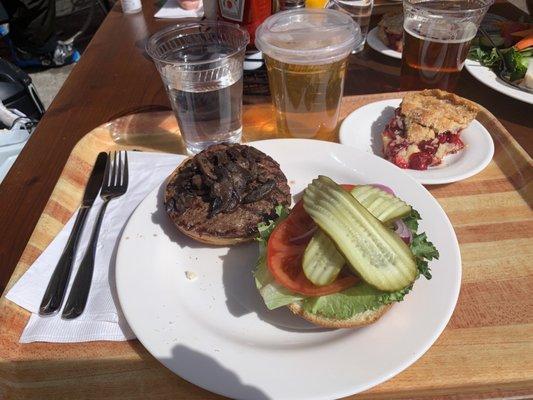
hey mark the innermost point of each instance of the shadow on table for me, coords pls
(210, 374)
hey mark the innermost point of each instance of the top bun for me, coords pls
(220, 195)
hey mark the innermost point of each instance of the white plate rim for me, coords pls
(423, 177)
(376, 44)
(457, 271)
(488, 78)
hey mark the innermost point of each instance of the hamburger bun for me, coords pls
(221, 194)
(358, 320)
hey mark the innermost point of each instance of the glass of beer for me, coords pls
(360, 11)
(437, 36)
(306, 51)
(201, 64)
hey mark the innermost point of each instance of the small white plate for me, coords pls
(216, 332)
(362, 129)
(250, 62)
(487, 77)
(375, 42)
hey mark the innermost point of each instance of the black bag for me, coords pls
(3, 14)
(17, 91)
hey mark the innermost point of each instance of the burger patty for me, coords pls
(225, 191)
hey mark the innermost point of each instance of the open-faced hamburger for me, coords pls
(220, 195)
(343, 255)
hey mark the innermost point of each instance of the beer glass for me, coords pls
(201, 64)
(437, 36)
(305, 51)
(360, 11)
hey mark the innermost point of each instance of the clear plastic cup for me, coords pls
(306, 52)
(201, 64)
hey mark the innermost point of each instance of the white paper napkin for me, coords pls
(172, 9)
(102, 318)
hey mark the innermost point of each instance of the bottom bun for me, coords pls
(361, 319)
(214, 240)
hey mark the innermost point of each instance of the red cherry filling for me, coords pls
(420, 161)
(427, 148)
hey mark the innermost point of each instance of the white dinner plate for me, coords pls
(375, 42)
(216, 332)
(362, 129)
(487, 77)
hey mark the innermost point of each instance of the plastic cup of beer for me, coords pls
(437, 36)
(306, 52)
(201, 64)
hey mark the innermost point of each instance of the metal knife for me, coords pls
(55, 292)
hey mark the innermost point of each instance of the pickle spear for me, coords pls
(374, 252)
(382, 205)
(322, 262)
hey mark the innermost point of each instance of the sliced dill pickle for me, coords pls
(382, 205)
(322, 262)
(374, 252)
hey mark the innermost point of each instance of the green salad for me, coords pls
(517, 61)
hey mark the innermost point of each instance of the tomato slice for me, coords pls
(285, 250)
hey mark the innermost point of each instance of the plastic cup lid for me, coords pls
(308, 36)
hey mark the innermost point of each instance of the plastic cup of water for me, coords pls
(201, 65)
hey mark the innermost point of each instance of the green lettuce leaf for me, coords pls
(274, 295)
(424, 251)
(516, 61)
(266, 228)
(352, 301)
(488, 58)
(423, 268)
(412, 220)
(423, 248)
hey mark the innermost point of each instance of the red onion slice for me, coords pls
(383, 187)
(403, 231)
(301, 239)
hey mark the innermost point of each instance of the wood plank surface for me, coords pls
(115, 77)
(486, 351)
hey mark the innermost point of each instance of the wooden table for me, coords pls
(115, 78)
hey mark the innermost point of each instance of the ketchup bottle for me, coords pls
(247, 13)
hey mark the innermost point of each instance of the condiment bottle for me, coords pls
(247, 13)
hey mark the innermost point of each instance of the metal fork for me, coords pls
(115, 184)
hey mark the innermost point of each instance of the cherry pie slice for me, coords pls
(390, 30)
(427, 127)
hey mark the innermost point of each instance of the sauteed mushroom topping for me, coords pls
(225, 179)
